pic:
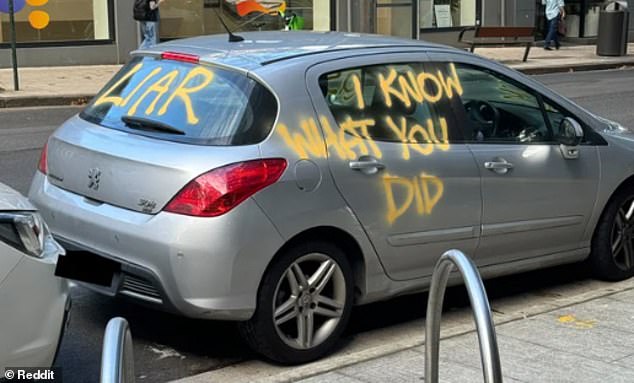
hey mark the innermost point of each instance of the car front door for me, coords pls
(536, 200)
(390, 145)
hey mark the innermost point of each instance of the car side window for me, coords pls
(499, 110)
(555, 117)
(390, 96)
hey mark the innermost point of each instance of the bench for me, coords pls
(500, 35)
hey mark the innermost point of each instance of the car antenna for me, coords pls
(232, 38)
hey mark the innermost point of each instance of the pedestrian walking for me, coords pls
(146, 12)
(555, 13)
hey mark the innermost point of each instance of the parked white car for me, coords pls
(34, 303)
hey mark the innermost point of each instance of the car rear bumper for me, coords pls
(198, 267)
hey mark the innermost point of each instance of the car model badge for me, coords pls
(147, 205)
(94, 175)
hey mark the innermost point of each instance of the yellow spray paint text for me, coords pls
(424, 192)
(353, 138)
(409, 86)
(158, 88)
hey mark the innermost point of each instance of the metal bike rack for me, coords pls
(117, 359)
(489, 353)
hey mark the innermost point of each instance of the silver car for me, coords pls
(280, 180)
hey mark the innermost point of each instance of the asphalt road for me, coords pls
(169, 347)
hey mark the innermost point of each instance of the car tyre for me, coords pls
(612, 255)
(303, 304)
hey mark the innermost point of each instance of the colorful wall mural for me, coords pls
(38, 19)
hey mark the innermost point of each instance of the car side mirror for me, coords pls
(570, 132)
(570, 136)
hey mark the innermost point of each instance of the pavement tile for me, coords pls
(408, 366)
(556, 366)
(604, 312)
(451, 372)
(624, 296)
(331, 377)
(465, 350)
(528, 362)
(583, 336)
(402, 367)
(627, 362)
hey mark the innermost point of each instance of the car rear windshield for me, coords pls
(184, 102)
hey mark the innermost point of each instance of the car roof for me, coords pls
(265, 48)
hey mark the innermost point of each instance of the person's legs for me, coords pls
(144, 40)
(556, 35)
(148, 31)
(552, 32)
(153, 25)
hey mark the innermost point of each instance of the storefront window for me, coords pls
(574, 13)
(200, 17)
(57, 20)
(591, 25)
(447, 13)
(394, 18)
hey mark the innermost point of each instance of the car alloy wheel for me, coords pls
(309, 300)
(303, 304)
(612, 255)
(622, 238)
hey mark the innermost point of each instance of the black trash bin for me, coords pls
(614, 21)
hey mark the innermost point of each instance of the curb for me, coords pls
(82, 99)
(577, 68)
(31, 101)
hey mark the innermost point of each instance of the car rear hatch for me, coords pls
(157, 125)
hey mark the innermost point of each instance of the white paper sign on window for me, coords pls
(443, 15)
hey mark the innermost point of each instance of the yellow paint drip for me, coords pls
(577, 323)
(567, 319)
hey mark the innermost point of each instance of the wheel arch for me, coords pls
(625, 184)
(342, 239)
(602, 262)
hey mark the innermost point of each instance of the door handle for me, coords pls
(499, 165)
(367, 165)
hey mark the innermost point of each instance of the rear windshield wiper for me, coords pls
(140, 123)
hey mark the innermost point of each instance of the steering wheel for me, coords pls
(484, 116)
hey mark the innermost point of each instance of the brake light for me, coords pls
(43, 164)
(183, 57)
(220, 190)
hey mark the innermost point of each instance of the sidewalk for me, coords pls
(576, 331)
(75, 85)
(46, 86)
(588, 342)
(579, 57)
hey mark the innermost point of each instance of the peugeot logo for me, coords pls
(94, 176)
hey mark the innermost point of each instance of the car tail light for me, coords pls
(43, 164)
(183, 57)
(220, 190)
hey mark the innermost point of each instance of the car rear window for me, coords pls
(199, 104)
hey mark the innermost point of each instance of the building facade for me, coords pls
(71, 32)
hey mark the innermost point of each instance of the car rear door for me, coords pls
(535, 201)
(392, 154)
